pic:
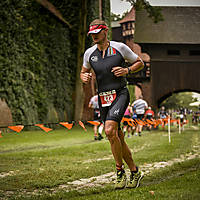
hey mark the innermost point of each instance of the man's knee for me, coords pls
(110, 131)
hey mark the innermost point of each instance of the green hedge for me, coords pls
(38, 56)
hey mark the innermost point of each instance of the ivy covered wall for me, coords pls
(38, 58)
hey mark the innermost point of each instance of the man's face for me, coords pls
(99, 38)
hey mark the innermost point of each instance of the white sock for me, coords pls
(100, 129)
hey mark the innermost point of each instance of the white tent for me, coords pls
(197, 103)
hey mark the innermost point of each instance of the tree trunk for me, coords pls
(79, 98)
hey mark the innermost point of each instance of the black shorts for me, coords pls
(140, 116)
(117, 109)
(97, 115)
(149, 117)
(125, 123)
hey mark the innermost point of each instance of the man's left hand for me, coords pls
(119, 71)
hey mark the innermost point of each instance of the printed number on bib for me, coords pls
(107, 97)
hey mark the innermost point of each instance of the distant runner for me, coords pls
(95, 105)
(140, 106)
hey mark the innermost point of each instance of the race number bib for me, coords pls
(107, 97)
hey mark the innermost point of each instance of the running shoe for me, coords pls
(95, 138)
(121, 179)
(100, 137)
(135, 179)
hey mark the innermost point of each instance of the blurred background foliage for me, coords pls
(180, 100)
(38, 57)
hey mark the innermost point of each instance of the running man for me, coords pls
(140, 106)
(106, 58)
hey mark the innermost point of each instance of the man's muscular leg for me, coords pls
(111, 131)
(126, 152)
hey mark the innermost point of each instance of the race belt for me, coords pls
(107, 97)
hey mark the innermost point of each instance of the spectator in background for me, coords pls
(182, 116)
(140, 107)
(127, 115)
(162, 114)
(95, 105)
(149, 114)
(134, 116)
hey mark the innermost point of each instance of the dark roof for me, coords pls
(181, 25)
(130, 16)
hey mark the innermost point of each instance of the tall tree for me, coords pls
(81, 48)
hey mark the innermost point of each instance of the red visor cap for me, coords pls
(96, 28)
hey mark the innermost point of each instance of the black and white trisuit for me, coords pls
(112, 91)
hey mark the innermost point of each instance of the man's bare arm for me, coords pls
(135, 67)
(85, 75)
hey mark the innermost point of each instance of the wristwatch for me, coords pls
(129, 71)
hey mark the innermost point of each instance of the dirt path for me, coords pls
(146, 168)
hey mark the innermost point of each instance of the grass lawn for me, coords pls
(34, 164)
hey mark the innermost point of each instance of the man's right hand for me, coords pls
(85, 77)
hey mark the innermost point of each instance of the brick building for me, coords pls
(172, 47)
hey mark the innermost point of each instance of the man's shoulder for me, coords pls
(90, 50)
(142, 100)
(117, 45)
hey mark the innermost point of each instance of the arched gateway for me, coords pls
(174, 49)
